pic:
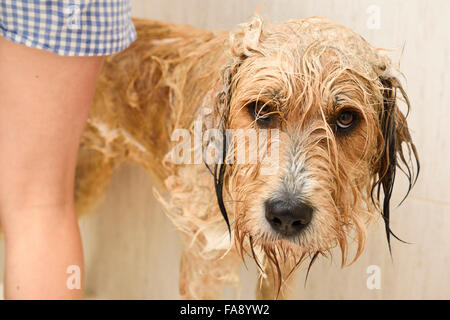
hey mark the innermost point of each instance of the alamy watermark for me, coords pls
(72, 13)
(73, 281)
(373, 282)
(241, 146)
(374, 19)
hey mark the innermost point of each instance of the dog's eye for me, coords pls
(345, 119)
(261, 113)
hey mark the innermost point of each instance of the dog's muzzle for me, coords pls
(288, 217)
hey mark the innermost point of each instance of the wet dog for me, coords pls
(279, 141)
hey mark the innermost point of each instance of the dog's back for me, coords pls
(141, 97)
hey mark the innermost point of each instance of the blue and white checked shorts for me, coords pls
(69, 27)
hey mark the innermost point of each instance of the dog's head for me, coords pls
(323, 106)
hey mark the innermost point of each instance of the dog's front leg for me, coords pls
(202, 278)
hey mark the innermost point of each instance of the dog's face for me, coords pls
(326, 102)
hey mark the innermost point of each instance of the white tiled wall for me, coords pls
(132, 251)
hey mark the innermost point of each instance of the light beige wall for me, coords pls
(132, 251)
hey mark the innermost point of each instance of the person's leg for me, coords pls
(44, 103)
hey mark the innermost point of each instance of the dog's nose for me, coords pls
(288, 217)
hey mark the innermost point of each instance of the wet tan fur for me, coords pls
(172, 73)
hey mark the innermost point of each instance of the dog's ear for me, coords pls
(242, 45)
(223, 111)
(398, 150)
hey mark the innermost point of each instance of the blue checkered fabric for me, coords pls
(69, 27)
